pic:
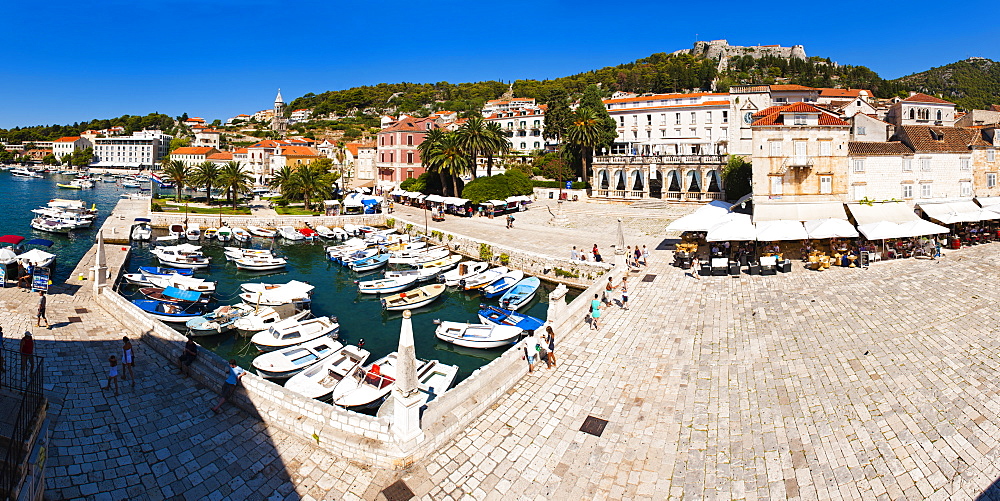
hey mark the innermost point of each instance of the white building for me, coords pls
(141, 150)
(192, 155)
(67, 145)
(671, 124)
(524, 128)
(921, 109)
(300, 115)
(514, 103)
(208, 137)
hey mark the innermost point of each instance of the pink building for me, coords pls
(397, 157)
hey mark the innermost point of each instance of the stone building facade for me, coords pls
(687, 178)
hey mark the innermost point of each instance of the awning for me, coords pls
(458, 202)
(956, 212)
(895, 212)
(495, 202)
(798, 211)
(44, 241)
(920, 227)
(11, 239)
(397, 192)
(331, 203)
(35, 256)
(734, 227)
(435, 198)
(703, 218)
(881, 230)
(830, 228)
(773, 231)
(518, 198)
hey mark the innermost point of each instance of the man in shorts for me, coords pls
(41, 310)
(235, 375)
(188, 357)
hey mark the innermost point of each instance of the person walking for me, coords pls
(128, 361)
(695, 266)
(608, 288)
(188, 357)
(645, 256)
(543, 350)
(229, 387)
(637, 258)
(595, 312)
(41, 310)
(529, 352)
(113, 373)
(550, 338)
(624, 305)
(27, 349)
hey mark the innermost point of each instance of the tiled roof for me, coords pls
(192, 150)
(790, 87)
(924, 98)
(267, 143)
(67, 139)
(775, 115)
(411, 125)
(240, 151)
(995, 107)
(924, 138)
(871, 148)
(222, 155)
(299, 151)
(828, 92)
(658, 97)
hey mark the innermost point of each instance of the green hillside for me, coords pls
(973, 83)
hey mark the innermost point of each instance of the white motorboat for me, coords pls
(423, 274)
(240, 235)
(291, 332)
(181, 256)
(367, 387)
(210, 233)
(193, 232)
(291, 293)
(336, 252)
(500, 285)
(224, 234)
(289, 233)
(234, 253)
(137, 279)
(287, 362)
(352, 230)
(181, 282)
(52, 225)
(264, 317)
(324, 232)
(219, 321)
(141, 231)
(464, 270)
(260, 263)
(483, 279)
(257, 231)
(388, 285)
(340, 234)
(414, 298)
(319, 380)
(433, 380)
(359, 255)
(174, 233)
(477, 335)
(520, 294)
(418, 256)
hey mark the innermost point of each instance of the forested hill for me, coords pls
(973, 83)
(131, 123)
(658, 73)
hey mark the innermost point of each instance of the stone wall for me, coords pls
(164, 220)
(540, 265)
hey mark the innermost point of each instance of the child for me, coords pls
(113, 373)
(624, 293)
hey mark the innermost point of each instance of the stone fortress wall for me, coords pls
(720, 49)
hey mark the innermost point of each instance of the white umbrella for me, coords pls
(921, 227)
(35, 257)
(701, 219)
(735, 227)
(881, 230)
(7, 256)
(783, 229)
(830, 228)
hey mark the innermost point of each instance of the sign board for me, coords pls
(40, 280)
(865, 259)
(3, 276)
(569, 185)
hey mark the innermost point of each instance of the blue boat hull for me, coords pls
(492, 314)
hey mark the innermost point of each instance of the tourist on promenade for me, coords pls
(530, 350)
(128, 361)
(41, 310)
(645, 256)
(550, 338)
(597, 255)
(113, 373)
(638, 256)
(628, 258)
(608, 288)
(574, 255)
(595, 312)
(695, 265)
(624, 305)
(235, 375)
(187, 358)
(27, 354)
(543, 350)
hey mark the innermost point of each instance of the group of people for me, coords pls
(128, 365)
(598, 301)
(581, 255)
(537, 350)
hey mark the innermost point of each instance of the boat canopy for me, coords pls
(39, 241)
(11, 239)
(183, 295)
(143, 219)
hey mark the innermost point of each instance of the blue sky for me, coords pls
(75, 61)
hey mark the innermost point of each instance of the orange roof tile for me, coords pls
(830, 92)
(192, 150)
(658, 97)
(298, 151)
(240, 151)
(222, 155)
(67, 139)
(775, 115)
(924, 98)
(787, 87)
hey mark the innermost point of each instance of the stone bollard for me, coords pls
(557, 304)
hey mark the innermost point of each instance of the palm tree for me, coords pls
(312, 180)
(499, 145)
(431, 141)
(234, 180)
(449, 157)
(178, 173)
(584, 134)
(283, 180)
(474, 139)
(206, 174)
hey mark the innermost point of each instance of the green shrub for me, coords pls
(559, 272)
(485, 252)
(281, 202)
(437, 234)
(157, 208)
(409, 227)
(390, 222)
(504, 259)
(556, 184)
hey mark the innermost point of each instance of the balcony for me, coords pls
(660, 159)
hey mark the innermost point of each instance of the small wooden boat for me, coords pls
(367, 387)
(412, 299)
(137, 279)
(433, 379)
(234, 253)
(483, 279)
(169, 312)
(388, 285)
(291, 332)
(224, 234)
(446, 263)
(308, 233)
(319, 380)
(520, 294)
(52, 225)
(324, 232)
(182, 256)
(340, 234)
(219, 321)
(289, 233)
(263, 318)
(291, 293)
(417, 256)
(257, 231)
(464, 270)
(240, 235)
(358, 255)
(492, 314)
(477, 335)
(500, 285)
(290, 361)
(71, 186)
(260, 263)
(164, 271)
(173, 295)
(210, 233)
(193, 232)
(174, 233)
(370, 263)
(181, 282)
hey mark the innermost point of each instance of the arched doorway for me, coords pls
(693, 181)
(620, 180)
(637, 181)
(656, 184)
(603, 180)
(674, 181)
(714, 181)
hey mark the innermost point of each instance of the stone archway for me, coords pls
(619, 179)
(603, 180)
(693, 181)
(674, 181)
(714, 181)
(637, 182)
(656, 184)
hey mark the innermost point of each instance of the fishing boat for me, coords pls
(433, 380)
(182, 256)
(193, 232)
(308, 233)
(443, 264)
(340, 234)
(423, 274)
(173, 233)
(169, 312)
(412, 299)
(336, 252)
(234, 253)
(367, 387)
(51, 225)
(319, 380)
(240, 235)
(477, 335)
(500, 285)
(290, 332)
(494, 315)
(141, 231)
(137, 279)
(359, 255)
(371, 263)
(463, 271)
(260, 263)
(291, 293)
(406, 246)
(324, 232)
(352, 229)
(256, 287)
(257, 231)
(181, 282)
(218, 321)
(287, 362)
(520, 294)
(73, 185)
(224, 234)
(210, 233)
(289, 233)
(417, 256)
(264, 317)
(163, 271)
(173, 295)
(483, 279)
(130, 184)
(388, 285)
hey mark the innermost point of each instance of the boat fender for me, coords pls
(334, 320)
(437, 321)
(461, 283)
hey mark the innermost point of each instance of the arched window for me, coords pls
(911, 113)
(939, 115)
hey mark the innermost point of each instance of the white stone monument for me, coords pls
(406, 399)
(620, 258)
(100, 268)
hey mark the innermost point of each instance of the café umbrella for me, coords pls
(733, 227)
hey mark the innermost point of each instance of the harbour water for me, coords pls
(360, 315)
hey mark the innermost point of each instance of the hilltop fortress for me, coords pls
(721, 50)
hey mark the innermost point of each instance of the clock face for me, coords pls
(748, 117)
